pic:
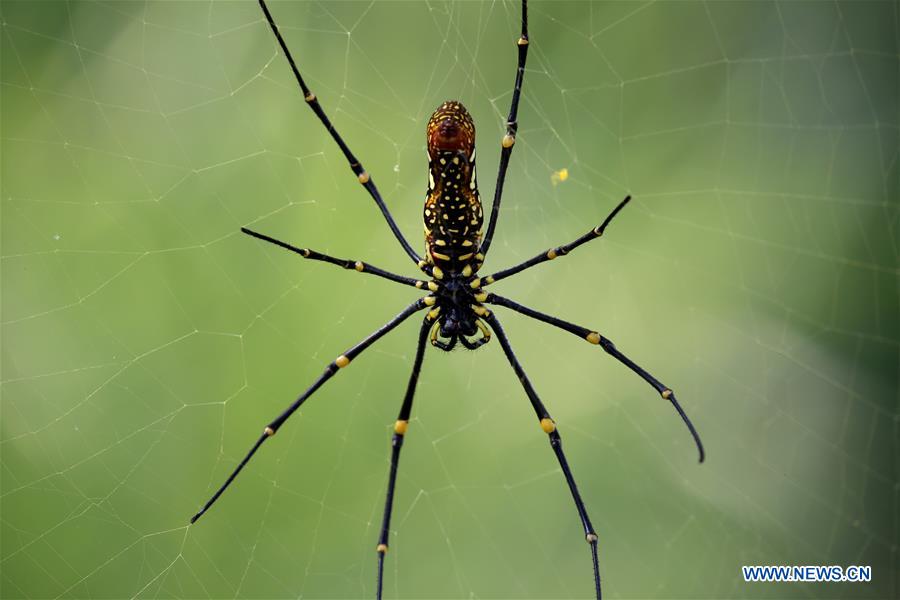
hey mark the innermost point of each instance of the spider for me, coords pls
(457, 302)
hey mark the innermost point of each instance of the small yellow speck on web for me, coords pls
(558, 177)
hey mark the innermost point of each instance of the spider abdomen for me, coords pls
(453, 214)
(453, 220)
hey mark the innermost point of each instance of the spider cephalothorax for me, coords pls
(458, 311)
(457, 302)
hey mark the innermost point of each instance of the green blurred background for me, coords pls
(146, 342)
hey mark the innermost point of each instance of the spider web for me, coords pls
(146, 342)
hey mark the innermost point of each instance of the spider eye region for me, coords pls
(456, 325)
(460, 317)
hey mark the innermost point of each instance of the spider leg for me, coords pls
(610, 348)
(355, 265)
(396, 444)
(512, 126)
(364, 178)
(476, 343)
(339, 363)
(559, 250)
(549, 428)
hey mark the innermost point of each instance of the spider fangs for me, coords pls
(453, 218)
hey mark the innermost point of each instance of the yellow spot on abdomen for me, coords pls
(548, 425)
(342, 361)
(400, 427)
